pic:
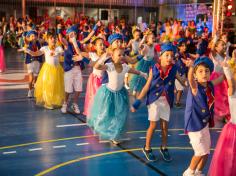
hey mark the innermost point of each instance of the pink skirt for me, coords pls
(2, 60)
(94, 82)
(221, 107)
(224, 158)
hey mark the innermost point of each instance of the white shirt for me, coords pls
(116, 80)
(135, 46)
(54, 59)
(94, 57)
(150, 54)
(232, 105)
(217, 60)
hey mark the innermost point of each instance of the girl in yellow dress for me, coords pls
(49, 88)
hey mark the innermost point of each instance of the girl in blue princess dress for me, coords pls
(111, 103)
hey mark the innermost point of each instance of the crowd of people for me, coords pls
(156, 62)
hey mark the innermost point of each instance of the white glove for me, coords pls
(144, 75)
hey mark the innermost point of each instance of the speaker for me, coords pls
(33, 12)
(104, 15)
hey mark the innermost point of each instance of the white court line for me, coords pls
(59, 146)
(35, 149)
(71, 125)
(167, 135)
(219, 131)
(183, 134)
(142, 137)
(101, 142)
(82, 144)
(10, 152)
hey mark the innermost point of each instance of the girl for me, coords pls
(137, 82)
(221, 111)
(2, 57)
(223, 161)
(95, 78)
(199, 112)
(49, 88)
(159, 90)
(111, 103)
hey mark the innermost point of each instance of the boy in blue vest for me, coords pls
(199, 112)
(33, 63)
(73, 69)
(159, 90)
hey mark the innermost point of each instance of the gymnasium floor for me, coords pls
(36, 141)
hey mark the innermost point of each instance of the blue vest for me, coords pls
(29, 58)
(182, 69)
(68, 62)
(159, 86)
(197, 112)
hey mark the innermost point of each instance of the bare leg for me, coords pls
(164, 132)
(149, 134)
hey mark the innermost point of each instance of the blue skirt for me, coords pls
(109, 113)
(137, 82)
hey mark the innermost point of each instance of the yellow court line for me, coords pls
(100, 155)
(46, 141)
(78, 137)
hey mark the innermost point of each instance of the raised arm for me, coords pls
(91, 33)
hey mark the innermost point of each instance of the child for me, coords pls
(221, 109)
(111, 103)
(159, 90)
(49, 88)
(182, 69)
(134, 45)
(2, 56)
(137, 82)
(199, 112)
(95, 78)
(73, 70)
(223, 160)
(33, 62)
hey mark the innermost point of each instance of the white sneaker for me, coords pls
(187, 172)
(199, 173)
(75, 108)
(115, 142)
(64, 108)
(30, 94)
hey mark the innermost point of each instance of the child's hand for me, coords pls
(99, 23)
(188, 63)
(234, 55)
(77, 57)
(224, 63)
(144, 75)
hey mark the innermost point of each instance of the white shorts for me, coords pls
(73, 80)
(33, 67)
(200, 141)
(178, 85)
(159, 109)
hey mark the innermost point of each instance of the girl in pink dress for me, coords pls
(2, 57)
(217, 55)
(95, 78)
(224, 158)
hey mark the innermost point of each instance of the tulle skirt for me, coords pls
(137, 82)
(224, 159)
(49, 88)
(2, 60)
(109, 112)
(94, 82)
(221, 107)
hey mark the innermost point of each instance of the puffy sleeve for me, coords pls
(110, 67)
(126, 68)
